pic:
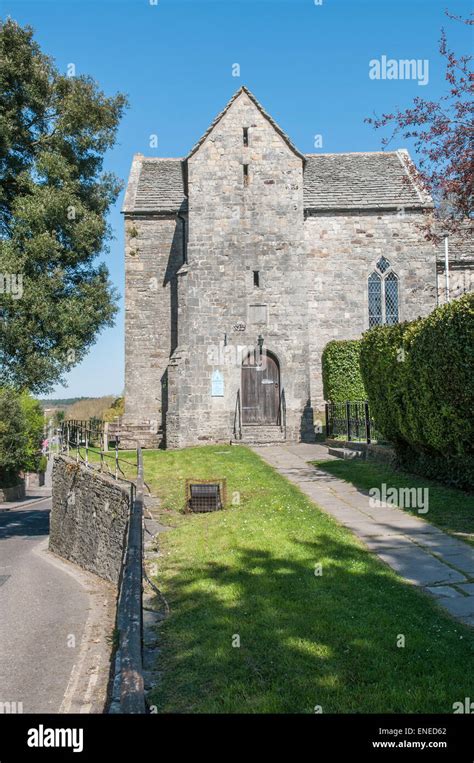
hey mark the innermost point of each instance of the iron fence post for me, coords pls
(348, 420)
(328, 430)
(367, 422)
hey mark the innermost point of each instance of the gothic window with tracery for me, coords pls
(383, 294)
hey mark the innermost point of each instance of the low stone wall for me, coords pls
(89, 518)
(383, 453)
(15, 493)
(372, 451)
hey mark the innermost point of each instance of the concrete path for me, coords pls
(416, 550)
(54, 655)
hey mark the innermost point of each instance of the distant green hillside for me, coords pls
(63, 402)
(90, 408)
(85, 408)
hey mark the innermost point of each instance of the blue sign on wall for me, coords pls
(217, 384)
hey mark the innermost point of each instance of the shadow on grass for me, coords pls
(264, 633)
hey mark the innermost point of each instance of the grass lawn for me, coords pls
(306, 640)
(449, 509)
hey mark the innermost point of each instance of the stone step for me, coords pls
(265, 434)
(345, 453)
(145, 427)
(130, 434)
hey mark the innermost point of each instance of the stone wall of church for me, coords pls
(153, 256)
(238, 226)
(461, 280)
(342, 251)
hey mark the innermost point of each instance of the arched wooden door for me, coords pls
(260, 389)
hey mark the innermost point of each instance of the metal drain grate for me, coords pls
(203, 496)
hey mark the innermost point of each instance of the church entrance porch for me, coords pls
(260, 389)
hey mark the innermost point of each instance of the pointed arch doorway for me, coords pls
(260, 386)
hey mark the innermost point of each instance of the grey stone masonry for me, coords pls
(342, 251)
(89, 518)
(460, 264)
(154, 254)
(248, 241)
(240, 224)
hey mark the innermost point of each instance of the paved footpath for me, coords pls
(416, 550)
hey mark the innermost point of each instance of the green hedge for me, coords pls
(342, 378)
(419, 378)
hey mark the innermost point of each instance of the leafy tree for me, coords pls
(54, 199)
(13, 437)
(34, 428)
(442, 132)
(58, 418)
(116, 410)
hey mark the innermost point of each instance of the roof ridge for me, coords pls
(356, 153)
(163, 158)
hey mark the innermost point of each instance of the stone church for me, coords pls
(243, 260)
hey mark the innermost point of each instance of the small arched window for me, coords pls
(383, 294)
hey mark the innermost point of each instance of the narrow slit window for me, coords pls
(256, 278)
(246, 174)
(246, 136)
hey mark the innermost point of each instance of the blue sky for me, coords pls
(308, 65)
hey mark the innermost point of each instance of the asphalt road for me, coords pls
(43, 614)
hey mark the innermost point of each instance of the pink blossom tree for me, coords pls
(443, 135)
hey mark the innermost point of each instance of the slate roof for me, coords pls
(155, 185)
(331, 182)
(372, 180)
